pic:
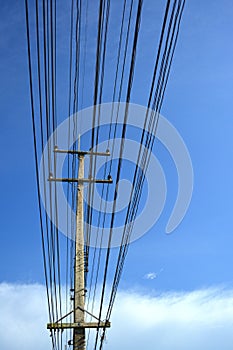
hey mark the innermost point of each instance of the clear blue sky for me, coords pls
(199, 104)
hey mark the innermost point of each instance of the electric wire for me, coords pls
(45, 103)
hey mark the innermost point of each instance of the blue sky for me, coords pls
(198, 102)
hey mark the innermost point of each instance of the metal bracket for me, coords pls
(79, 325)
(51, 178)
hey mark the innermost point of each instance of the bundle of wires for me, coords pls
(54, 72)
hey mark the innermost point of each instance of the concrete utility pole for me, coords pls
(79, 325)
(79, 285)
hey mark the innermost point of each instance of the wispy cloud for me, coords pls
(202, 319)
(150, 276)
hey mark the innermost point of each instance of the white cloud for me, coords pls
(23, 317)
(200, 320)
(150, 276)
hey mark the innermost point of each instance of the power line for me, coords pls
(44, 76)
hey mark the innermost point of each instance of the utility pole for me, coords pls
(79, 285)
(79, 325)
